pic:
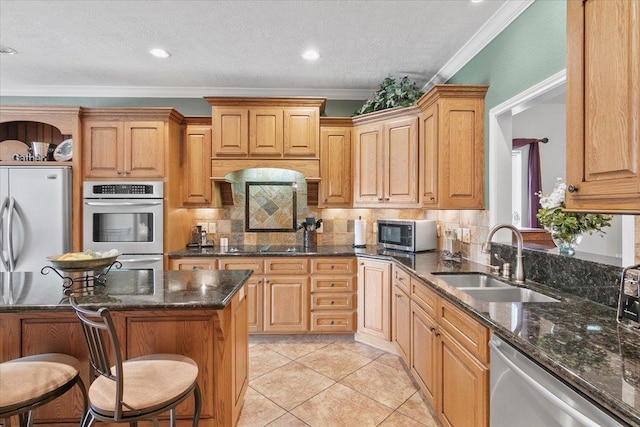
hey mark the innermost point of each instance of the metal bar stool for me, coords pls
(135, 389)
(29, 382)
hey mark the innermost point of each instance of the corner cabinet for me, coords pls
(374, 303)
(452, 147)
(385, 153)
(603, 111)
(128, 143)
(335, 163)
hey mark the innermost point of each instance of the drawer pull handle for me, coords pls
(333, 284)
(332, 322)
(432, 329)
(332, 302)
(333, 266)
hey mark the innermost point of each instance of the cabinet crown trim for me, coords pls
(154, 113)
(217, 101)
(451, 91)
(389, 113)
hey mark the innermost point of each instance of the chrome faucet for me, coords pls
(486, 248)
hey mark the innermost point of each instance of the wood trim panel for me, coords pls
(334, 265)
(464, 329)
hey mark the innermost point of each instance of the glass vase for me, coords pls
(566, 243)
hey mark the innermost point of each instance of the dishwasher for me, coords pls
(523, 394)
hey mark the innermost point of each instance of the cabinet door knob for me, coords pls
(432, 329)
(379, 199)
(333, 266)
(332, 322)
(333, 284)
(432, 198)
(332, 302)
(326, 200)
(387, 199)
(572, 189)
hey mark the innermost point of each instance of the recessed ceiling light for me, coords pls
(477, 1)
(8, 50)
(311, 55)
(160, 53)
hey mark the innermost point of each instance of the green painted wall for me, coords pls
(186, 106)
(532, 48)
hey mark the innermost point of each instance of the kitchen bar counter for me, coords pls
(576, 339)
(200, 314)
(124, 290)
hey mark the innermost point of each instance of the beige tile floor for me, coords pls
(328, 381)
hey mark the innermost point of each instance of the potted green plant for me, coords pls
(391, 93)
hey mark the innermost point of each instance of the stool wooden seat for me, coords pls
(136, 389)
(29, 382)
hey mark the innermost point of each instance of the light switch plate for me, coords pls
(213, 227)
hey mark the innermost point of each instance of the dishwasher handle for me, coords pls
(555, 400)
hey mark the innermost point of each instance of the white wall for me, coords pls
(549, 120)
(540, 121)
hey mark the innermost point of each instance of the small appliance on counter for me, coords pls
(412, 235)
(198, 238)
(629, 302)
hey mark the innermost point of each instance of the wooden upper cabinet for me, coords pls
(196, 166)
(129, 142)
(368, 165)
(401, 166)
(301, 132)
(266, 132)
(335, 167)
(230, 131)
(386, 159)
(452, 147)
(103, 147)
(270, 128)
(603, 107)
(429, 156)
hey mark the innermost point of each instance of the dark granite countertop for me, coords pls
(576, 339)
(265, 251)
(125, 290)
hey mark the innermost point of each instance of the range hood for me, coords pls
(310, 168)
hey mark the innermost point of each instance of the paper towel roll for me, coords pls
(359, 233)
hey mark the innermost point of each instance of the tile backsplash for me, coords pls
(338, 223)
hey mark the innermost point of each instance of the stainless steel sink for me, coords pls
(509, 294)
(484, 287)
(472, 280)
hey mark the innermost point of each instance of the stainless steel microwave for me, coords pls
(408, 235)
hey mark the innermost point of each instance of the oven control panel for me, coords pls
(123, 190)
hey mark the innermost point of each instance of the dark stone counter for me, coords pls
(576, 339)
(124, 290)
(265, 251)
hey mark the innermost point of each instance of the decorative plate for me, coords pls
(11, 147)
(64, 151)
(81, 264)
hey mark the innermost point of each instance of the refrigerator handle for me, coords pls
(12, 209)
(3, 208)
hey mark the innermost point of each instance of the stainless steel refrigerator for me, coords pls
(35, 215)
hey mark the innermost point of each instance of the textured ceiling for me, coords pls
(79, 46)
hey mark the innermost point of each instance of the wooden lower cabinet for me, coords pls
(217, 340)
(195, 263)
(462, 390)
(374, 293)
(449, 358)
(423, 352)
(401, 311)
(286, 304)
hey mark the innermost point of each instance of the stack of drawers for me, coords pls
(333, 294)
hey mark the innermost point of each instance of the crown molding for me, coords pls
(182, 92)
(494, 26)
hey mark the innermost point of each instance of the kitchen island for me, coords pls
(577, 340)
(200, 314)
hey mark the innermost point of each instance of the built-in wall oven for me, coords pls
(127, 216)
